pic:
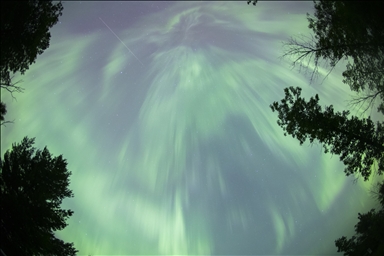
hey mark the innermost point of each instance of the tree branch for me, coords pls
(7, 122)
(362, 100)
(305, 51)
(11, 87)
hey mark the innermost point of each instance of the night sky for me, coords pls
(162, 112)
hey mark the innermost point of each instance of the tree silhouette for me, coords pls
(353, 31)
(25, 32)
(3, 111)
(24, 35)
(350, 30)
(369, 232)
(366, 76)
(347, 29)
(254, 2)
(358, 142)
(33, 185)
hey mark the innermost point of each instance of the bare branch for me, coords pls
(305, 54)
(11, 87)
(367, 101)
(7, 122)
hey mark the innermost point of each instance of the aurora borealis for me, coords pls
(162, 112)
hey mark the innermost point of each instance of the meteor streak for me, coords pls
(121, 41)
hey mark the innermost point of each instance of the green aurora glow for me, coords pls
(182, 155)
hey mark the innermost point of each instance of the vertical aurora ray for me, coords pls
(183, 155)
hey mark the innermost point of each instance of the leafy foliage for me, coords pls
(369, 232)
(254, 2)
(357, 141)
(347, 29)
(3, 111)
(366, 76)
(351, 30)
(25, 32)
(33, 185)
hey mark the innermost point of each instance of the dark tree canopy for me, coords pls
(358, 142)
(347, 28)
(25, 32)
(254, 2)
(366, 76)
(350, 30)
(33, 185)
(3, 111)
(369, 230)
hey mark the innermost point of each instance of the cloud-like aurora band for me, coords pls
(183, 155)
